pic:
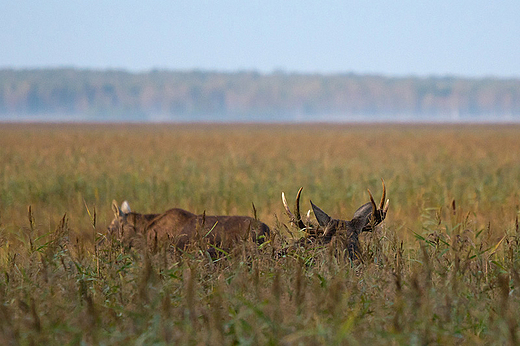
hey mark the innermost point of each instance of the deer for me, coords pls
(365, 219)
(180, 228)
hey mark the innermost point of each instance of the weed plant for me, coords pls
(442, 269)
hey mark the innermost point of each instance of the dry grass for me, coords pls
(436, 272)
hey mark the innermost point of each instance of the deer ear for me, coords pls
(321, 216)
(115, 208)
(125, 208)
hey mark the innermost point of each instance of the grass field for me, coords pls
(442, 269)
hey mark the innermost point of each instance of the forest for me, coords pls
(166, 95)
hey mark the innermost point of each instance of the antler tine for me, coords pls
(297, 206)
(287, 210)
(374, 206)
(383, 198)
(385, 209)
(295, 219)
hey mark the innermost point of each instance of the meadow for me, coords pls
(443, 268)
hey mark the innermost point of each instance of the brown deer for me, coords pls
(179, 228)
(365, 219)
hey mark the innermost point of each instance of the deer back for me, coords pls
(220, 230)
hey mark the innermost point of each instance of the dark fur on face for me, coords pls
(365, 219)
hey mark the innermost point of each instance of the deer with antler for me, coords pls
(365, 219)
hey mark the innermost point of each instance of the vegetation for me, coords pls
(250, 96)
(442, 269)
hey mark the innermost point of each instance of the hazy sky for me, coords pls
(442, 37)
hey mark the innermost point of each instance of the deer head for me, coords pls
(120, 219)
(365, 219)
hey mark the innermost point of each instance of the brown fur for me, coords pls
(180, 228)
(365, 219)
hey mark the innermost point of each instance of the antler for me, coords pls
(379, 213)
(296, 219)
(287, 210)
(383, 198)
(384, 194)
(374, 206)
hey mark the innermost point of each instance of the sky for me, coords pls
(466, 38)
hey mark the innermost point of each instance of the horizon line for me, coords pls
(273, 72)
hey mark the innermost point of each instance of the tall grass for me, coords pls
(442, 269)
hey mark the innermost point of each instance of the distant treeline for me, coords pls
(176, 95)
